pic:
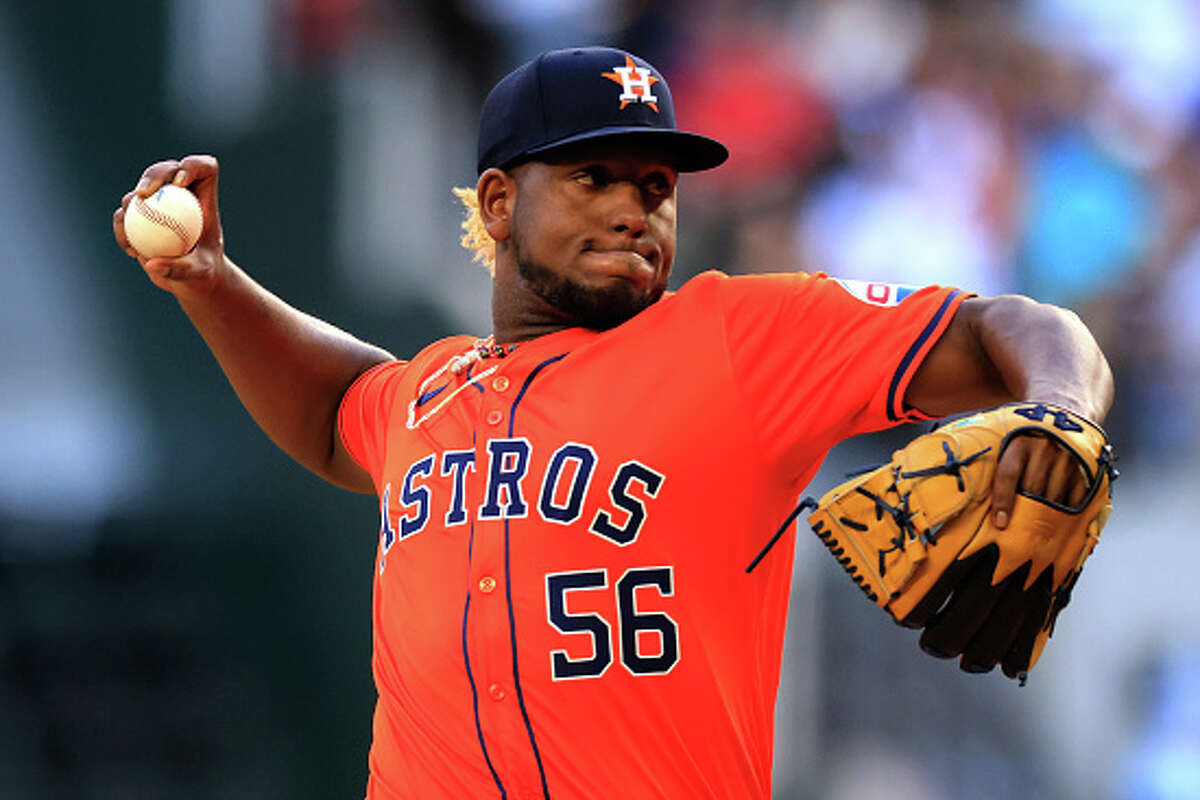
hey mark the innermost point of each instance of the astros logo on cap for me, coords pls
(629, 84)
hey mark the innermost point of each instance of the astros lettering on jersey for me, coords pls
(561, 607)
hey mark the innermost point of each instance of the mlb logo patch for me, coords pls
(877, 294)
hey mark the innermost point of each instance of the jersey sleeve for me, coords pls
(819, 360)
(365, 412)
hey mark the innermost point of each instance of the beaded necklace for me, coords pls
(457, 365)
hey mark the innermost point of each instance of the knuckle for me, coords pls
(203, 160)
(159, 167)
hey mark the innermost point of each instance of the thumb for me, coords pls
(169, 273)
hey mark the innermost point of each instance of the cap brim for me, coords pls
(690, 152)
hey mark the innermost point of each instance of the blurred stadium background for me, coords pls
(184, 613)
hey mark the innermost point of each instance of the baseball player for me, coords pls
(569, 504)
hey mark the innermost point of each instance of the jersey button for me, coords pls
(496, 692)
(500, 383)
(487, 584)
(494, 417)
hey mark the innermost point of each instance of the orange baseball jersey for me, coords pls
(561, 603)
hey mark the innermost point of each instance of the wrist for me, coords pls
(205, 279)
(1074, 403)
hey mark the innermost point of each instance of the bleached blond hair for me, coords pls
(475, 236)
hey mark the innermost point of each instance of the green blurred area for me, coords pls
(216, 643)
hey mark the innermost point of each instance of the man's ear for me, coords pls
(497, 193)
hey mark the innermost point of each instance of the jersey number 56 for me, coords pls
(656, 625)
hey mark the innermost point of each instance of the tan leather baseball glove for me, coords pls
(916, 535)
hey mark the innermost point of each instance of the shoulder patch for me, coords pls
(876, 294)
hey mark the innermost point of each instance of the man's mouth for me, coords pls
(637, 257)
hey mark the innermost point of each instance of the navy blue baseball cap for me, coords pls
(583, 93)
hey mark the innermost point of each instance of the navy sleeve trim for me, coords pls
(894, 403)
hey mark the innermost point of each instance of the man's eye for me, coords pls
(657, 184)
(592, 176)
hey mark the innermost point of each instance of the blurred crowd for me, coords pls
(1047, 147)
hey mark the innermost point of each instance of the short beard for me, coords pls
(598, 308)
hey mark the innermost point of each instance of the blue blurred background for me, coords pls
(184, 613)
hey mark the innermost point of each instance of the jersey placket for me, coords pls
(488, 626)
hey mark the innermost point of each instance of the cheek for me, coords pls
(544, 229)
(664, 217)
(527, 232)
(665, 233)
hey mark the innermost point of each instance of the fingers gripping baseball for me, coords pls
(198, 175)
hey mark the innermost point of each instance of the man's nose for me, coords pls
(629, 215)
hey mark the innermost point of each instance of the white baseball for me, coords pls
(165, 224)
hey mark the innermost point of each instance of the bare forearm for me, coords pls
(1043, 352)
(999, 349)
(289, 369)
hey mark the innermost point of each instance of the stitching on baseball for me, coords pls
(154, 215)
